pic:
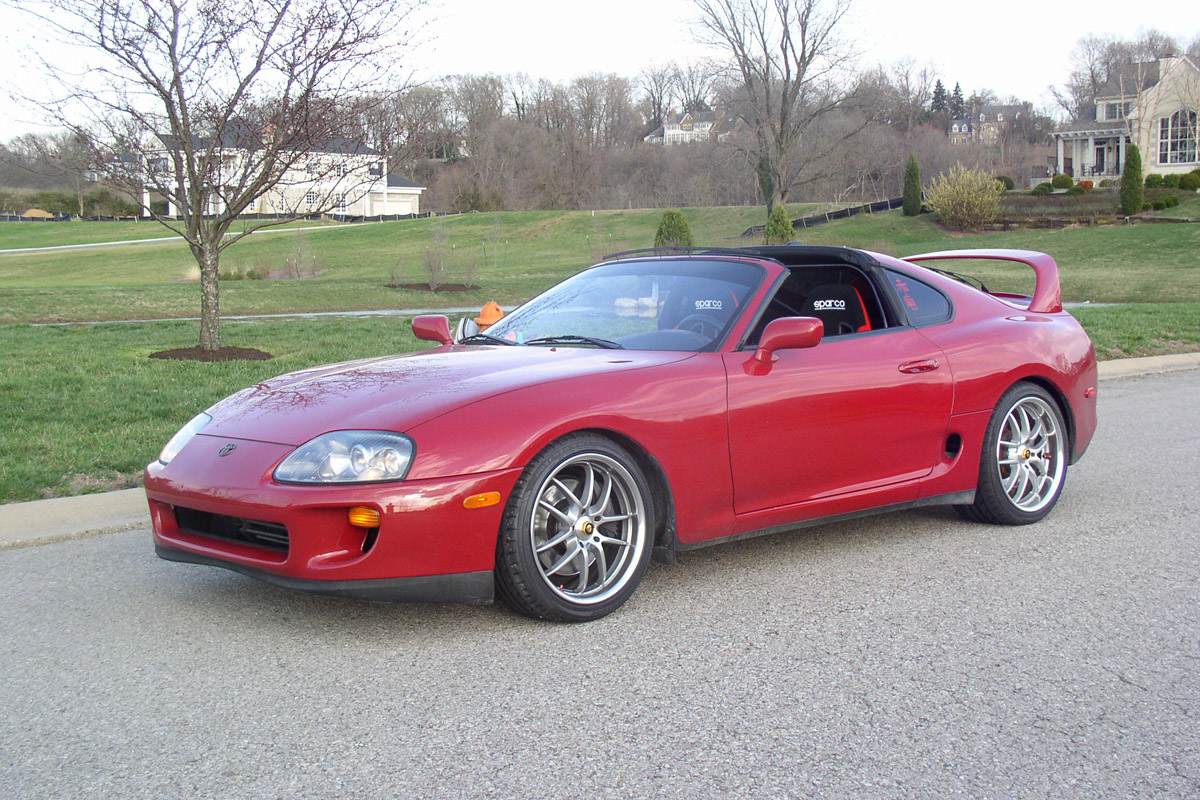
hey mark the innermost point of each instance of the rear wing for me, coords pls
(1047, 295)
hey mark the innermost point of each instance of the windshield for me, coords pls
(641, 305)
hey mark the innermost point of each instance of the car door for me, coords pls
(854, 413)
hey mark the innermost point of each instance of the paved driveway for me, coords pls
(905, 656)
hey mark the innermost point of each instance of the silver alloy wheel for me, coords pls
(1030, 454)
(588, 528)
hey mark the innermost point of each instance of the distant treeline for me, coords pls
(96, 202)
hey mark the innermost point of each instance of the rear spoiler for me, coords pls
(1047, 295)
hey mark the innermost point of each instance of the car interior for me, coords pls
(838, 295)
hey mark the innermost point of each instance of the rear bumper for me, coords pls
(463, 587)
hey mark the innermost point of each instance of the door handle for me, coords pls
(925, 365)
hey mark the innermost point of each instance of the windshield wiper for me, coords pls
(485, 338)
(570, 338)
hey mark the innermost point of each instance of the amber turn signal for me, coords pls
(363, 517)
(482, 500)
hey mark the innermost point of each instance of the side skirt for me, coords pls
(952, 499)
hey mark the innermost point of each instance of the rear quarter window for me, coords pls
(923, 304)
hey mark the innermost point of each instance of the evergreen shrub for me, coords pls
(1171, 181)
(779, 227)
(912, 188)
(1132, 191)
(1062, 181)
(1154, 181)
(1007, 181)
(673, 230)
(1042, 189)
(1190, 182)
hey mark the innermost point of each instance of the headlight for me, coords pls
(348, 457)
(185, 434)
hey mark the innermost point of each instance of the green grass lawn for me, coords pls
(17, 235)
(86, 409)
(510, 255)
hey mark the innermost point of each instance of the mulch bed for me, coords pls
(221, 354)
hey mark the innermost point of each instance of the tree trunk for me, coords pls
(210, 302)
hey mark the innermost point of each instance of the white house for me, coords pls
(1154, 104)
(340, 177)
(688, 127)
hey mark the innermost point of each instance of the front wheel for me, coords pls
(576, 534)
(1024, 462)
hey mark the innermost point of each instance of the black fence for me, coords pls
(7, 216)
(830, 216)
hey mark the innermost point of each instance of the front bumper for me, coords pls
(464, 587)
(427, 548)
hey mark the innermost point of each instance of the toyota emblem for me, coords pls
(226, 450)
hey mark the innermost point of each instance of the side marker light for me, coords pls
(482, 500)
(363, 517)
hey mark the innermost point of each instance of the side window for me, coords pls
(924, 304)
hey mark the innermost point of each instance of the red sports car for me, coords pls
(655, 403)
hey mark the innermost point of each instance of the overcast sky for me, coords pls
(1013, 47)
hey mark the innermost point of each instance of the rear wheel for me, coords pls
(1024, 462)
(576, 535)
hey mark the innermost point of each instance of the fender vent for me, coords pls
(953, 446)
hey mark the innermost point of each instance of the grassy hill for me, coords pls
(511, 256)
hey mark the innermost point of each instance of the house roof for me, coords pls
(395, 181)
(242, 136)
(1131, 81)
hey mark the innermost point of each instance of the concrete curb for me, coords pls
(64, 518)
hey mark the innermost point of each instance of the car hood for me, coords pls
(399, 392)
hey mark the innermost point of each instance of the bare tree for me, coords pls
(791, 73)
(213, 105)
(658, 88)
(54, 159)
(694, 85)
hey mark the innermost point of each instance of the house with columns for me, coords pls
(336, 177)
(1154, 104)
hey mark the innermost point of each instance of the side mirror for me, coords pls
(432, 328)
(788, 333)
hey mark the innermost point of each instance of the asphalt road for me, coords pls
(904, 656)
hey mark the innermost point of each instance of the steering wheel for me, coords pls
(702, 324)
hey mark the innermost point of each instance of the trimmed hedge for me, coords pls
(1042, 189)
(1062, 181)
(1154, 181)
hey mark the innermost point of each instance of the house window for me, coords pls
(981, 117)
(311, 198)
(1114, 111)
(341, 169)
(1177, 138)
(341, 204)
(313, 168)
(954, 128)
(999, 118)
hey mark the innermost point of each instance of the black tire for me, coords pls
(1023, 466)
(577, 532)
